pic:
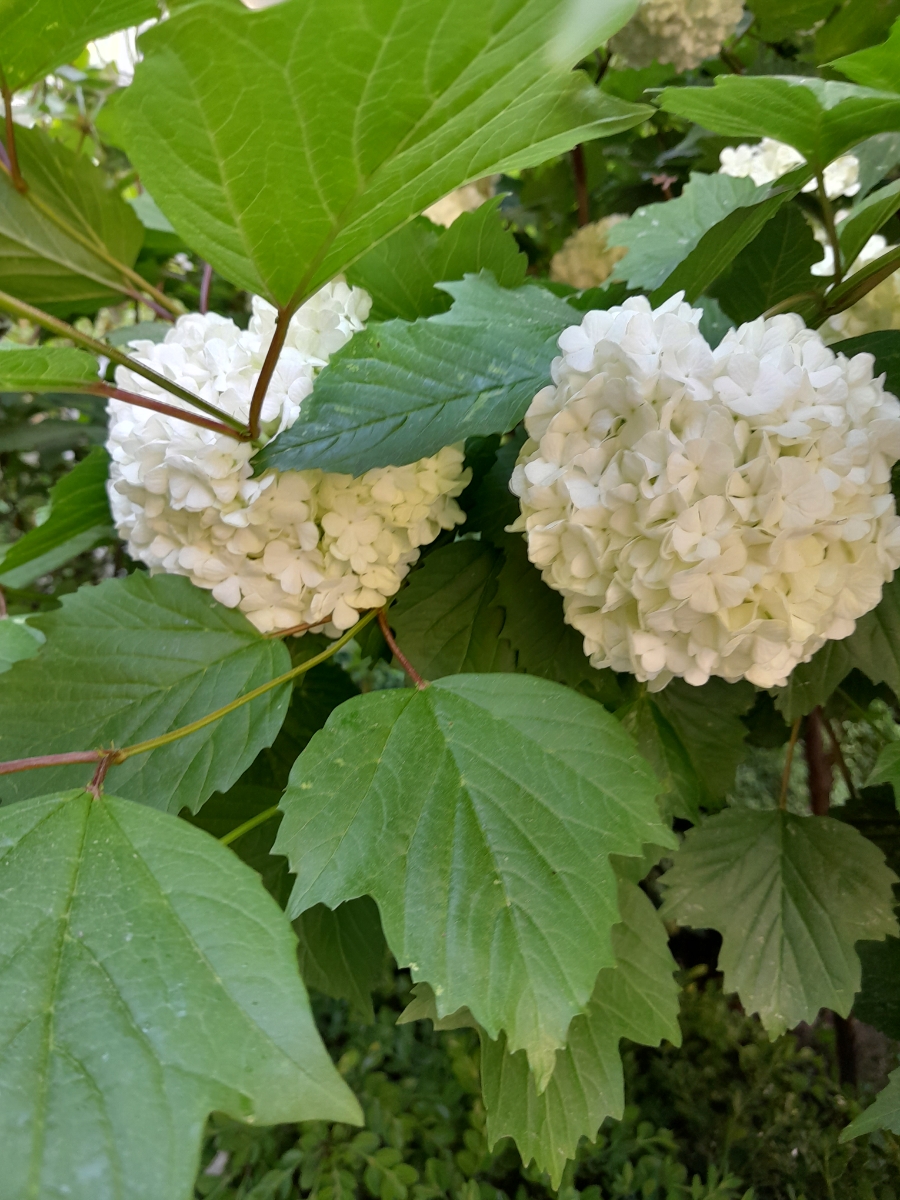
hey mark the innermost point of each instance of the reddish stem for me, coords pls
(3, 611)
(95, 787)
(15, 174)
(818, 764)
(401, 658)
(162, 313)
(205, 284)
(54, 760)
(282, 323)
(295, 629)
(168, 410)
(579, 170)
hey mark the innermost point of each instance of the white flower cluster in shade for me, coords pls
(462, 200)
(878, 309)
(682, 32)
(769, 159)
(709, 511)
(586, 258)
(287, 548)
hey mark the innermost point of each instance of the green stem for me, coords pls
(19, 308)
(185, 731)
(830, 227)
(259, 819)
(95, 246)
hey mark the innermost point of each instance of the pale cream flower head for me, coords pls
(286, 548)
(586, 258)
(682, 32)
(709, 511)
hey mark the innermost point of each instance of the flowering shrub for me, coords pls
(426, 475)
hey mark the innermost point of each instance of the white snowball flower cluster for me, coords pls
(287, 548)
(769, 159)
(682, 32)
(586, 258)
(878, 309)
(709, 512)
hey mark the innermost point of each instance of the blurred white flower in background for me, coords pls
(287, 548)
(682, 32)
(709, 512)
(878, 309)
(463, 199)
(768, 160)
(585, 258)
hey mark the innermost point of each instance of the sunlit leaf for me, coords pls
(280, 146)
(148, 979)
(131, 659)
(480, 815)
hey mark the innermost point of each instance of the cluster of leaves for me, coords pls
(728, 1114)
(490, 829)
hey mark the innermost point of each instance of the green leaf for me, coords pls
(129, 660)
(875, 66)
(343, 953)
(660, 236)
(885, 345)
(39, 262)
(401, 272)
(884, 1113)
(845, 294)
(855, 28)
(707, 722)
(399, 391)
(776, 20)
(148, 980)
(877, 156)
(820, 118)
(45, 368)
(480, 815)
(719, 246)
(866, 218)
(878, 1002)
(774, 267)
(347, 156)
(533, 625)
(810, 684)
(445, 621)
(39, 35)
(791, 896)
(637, 999)
(79, 519)
(681, 792)
(874, 646)
(17, 641)
(887, 767)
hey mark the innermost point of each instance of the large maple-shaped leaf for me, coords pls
(132, 659)
(283, 144)
(480, 815)
(637, 999)
(791, 896)
(147, 980)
